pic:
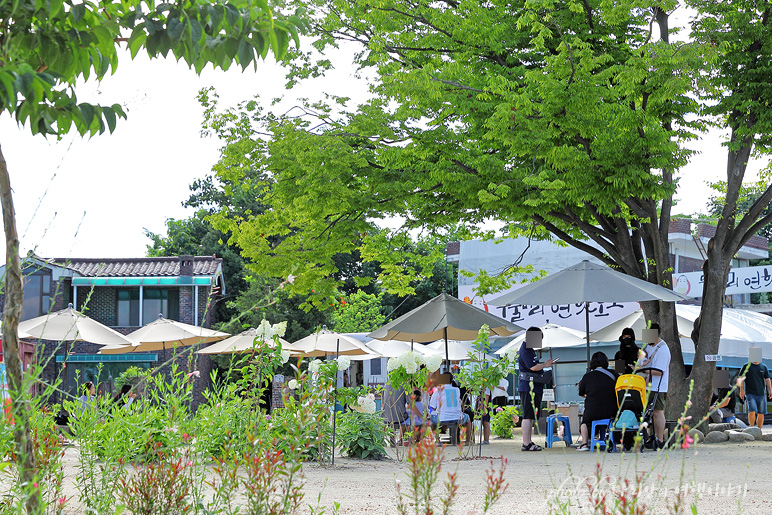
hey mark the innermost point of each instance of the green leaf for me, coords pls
(137, 40)
(8, 80)
(110, 117)
(174, 28)
(153, 43)
(78, 11)
(196, 31)
(87, 112)
(232, 15)
(246, 54)
(216, 13)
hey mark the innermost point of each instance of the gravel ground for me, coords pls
(719, 478)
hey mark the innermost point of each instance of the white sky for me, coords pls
(93, 197)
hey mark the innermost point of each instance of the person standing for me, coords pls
(757, 388)
(499, 394)
(530, 396)
(394, 413)
(628, 350)
(658, 357)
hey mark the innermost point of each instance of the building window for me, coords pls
(37, 295)
(155, 301)
(128, 307)
(158, 301)
(376, 367)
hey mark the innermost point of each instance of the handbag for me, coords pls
(541, 377)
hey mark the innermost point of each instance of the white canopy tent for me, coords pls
(555, 336)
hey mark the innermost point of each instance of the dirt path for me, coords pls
(723, 478)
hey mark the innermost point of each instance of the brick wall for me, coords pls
(706, 230)
(680, 225)
(186, 305)
(687, 264)
(102, 305)
(203, 304)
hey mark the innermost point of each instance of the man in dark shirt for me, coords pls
(530, 400)
(757, 388)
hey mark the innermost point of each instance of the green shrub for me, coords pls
(132, 376)
(223, 424)
(501, 421)
(362, 435)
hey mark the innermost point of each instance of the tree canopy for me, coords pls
(569, 120)
(48, 45)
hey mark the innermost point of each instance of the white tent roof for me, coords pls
(554, 336)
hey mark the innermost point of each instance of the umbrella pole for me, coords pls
(587, 330)
(335, 401)
(447, 359)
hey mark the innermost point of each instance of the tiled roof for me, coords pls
(137, 267)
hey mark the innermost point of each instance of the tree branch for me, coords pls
(573, 241)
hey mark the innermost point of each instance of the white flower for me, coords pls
(368, 407)
(279, 329)
(364, 404)
(293, 384)
(285, 356)
(264, 331)
(291, 278)
(433, 362)
(411, 362)
(511, 353)
(393, 364)
(344, 362)
(313, 367)
(371, 397)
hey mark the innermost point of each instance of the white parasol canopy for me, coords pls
(164, 333)
(244, 342)
(71, 325)
(326, 342)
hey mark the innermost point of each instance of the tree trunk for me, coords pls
(11, 315)
(716, 273)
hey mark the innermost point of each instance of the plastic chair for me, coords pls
(602, 427)
(551, 436)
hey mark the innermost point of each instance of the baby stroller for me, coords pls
(634, 415)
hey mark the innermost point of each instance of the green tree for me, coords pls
(266, 298)
(563, 119)
(358, 312)
(47, 46)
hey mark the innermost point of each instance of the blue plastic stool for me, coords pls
(603, 427)
(551, 436)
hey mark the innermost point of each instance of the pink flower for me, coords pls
(499, 409)
(62, 500)
(195, 373)
(189, 463)
(185, 436)
(35, 485)
(688, 404)
(688, 440)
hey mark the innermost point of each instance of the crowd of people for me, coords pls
(450, 403)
